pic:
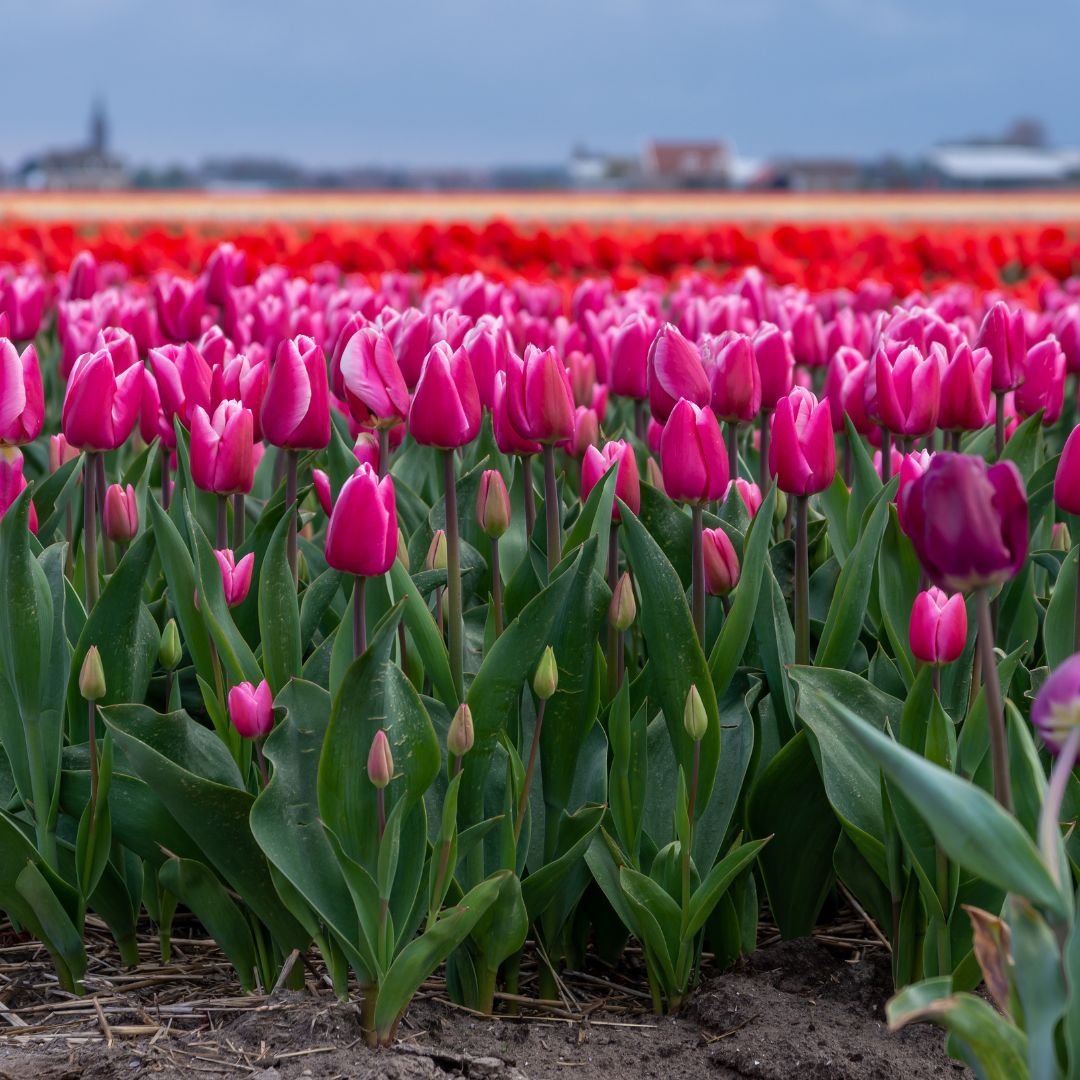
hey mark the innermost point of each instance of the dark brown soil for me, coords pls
(792, 1009)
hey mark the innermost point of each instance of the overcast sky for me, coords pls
(331, 82)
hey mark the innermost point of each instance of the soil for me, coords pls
(791, 1009)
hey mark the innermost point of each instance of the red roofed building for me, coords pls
(687, 164)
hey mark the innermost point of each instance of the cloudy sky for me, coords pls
(482, 81)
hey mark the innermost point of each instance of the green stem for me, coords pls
(496, 587)
(384, 452)
(764, 476)
(222, 536)
(359, 628)
(453, 577)
(292, 510)
(995, 717)
(239, 510)
(886, 455)
(1049, 826)
(999, 422)
(529, 497)
(90, 559)
(802, 583)
(733, 448)
(551, 509)
(485, 989)
(523, 799)
(697, 573)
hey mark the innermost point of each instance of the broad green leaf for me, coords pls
(717, 881)
(1040, 985)
(52, 923)
(279, 615)
(1060, 613)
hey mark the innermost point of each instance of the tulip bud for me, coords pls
(546, 679)
(251, 709)
(623, 608)
(460, 737)
(235, 576)
(321, 482)
(939, 626)
(695, 719)
(169, 651)
(92, 676)
(60, 452)
(121, 517)
(1056, 711)
(436, 552)
(402, 550)
(654, 475)
(493, 504)
(1067, 479)
(380, 762)
(1060, 539)
(721, 562)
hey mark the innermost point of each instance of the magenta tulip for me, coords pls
(1067, 478)
(736, 383)
(362, 535)
(1044, 382)
(100, 407)
(909, 468)
(235, 576)
(445, 408)
(493, 504)
(487, 347)
(675, 372)
(693, 457)
(183, 381)
(628, 366)
(375, 389)
(251, 709)
(776, 363)
(295, 410)
(722, 568)
(507, 437)
(1004, 336)
(121, 519)
(939, 626)
(627, 481)
(223, 449)
(13, 483)
(22, 398)
(845, 389)
(902, 394)
(802, 453)
(22, 299)
(965, 388)
(539, 398)
(749, 492)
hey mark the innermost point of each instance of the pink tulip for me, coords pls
(222, 449)
(362, 535)
(965, 388)
(235, 576)
(121, 346)
(675, 371)
(412, 337)
(1003, 334)
(1067, 478)
(487, 347)
(722, 568)
(939, 626)
(736, 383)
(1044, 382)
(1066, 329)
(693, 458)
(493, 504)
(902, 394)
(776, 363)
(245, 378)
(60, 452)
(295, 410)
(321, 482)
(375, 389)
(445, 409)
(22, 398)
(539, 398)
(802, 454)
(121, 517)
(251, 709)
(183, 380)
(22, 299)
(628, 369)
(749, 493)
(181, 307)
(507, 438)
(366, 448)
(215, 347)
(380, 762)
(845, 389)
(226, 268)
(13, 483)
(909, 469)
(627, 481)
(654, 432)
(82, 278)
(100, 407)
(586, 433)
(895, 460)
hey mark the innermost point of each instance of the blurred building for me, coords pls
(91, 167)
(686, 165)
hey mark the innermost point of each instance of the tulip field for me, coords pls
(470, 610)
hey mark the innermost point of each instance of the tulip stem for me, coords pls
(848, 459)
(90, 529)
(496, 586)
(1049, 818)
(639, 420)
(697, 573)
(222, 522)
(291, 509)
(551, 509)
(453, 576)
(359, 617)
(886, 455)
(239, 511)
(1076, 610)
(529, 496)
(384, 451)
(802, 582)
(166, 479)
(523, 798)
(999, 422)
(764, 476)
(106, 543)
(263, 776)
(733, 448)
(999, 750)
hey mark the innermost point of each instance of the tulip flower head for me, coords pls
(22, 398)
(223, 449)
(627, 481)
(374, 386)
(13, 483)
(802, 453)
(722, 568)
(380, 762)
(460, 735)
(693, 458)
(965, 388)
(251, 709)
(749, 492)
(1044, 382)
(623, 608)
(362, 536)
(1055, 713)
(1004, 336)
(445, 409)
(675, 372)
(1067, 478)
(736, 382)
(235, 576)
(695, 718)
(939, 626)
(121, 517)
(295, 413)
(628, 370)
(493, 504)
(539, 397)
(100, 407)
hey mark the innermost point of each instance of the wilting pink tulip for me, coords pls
(445, 409)
(22, 399)
(222, 449)
(507, 438)
(628, 368)
(183, 380)
(539, 399)
(181, 307)
(749, 493)
(675, 371)
(627, 481)
(722, 568)
(1003, 334)
(965, 388)
(939, 625)
(736, 384)
(121, 517)
(235, 576)
(362, 535)
(1044, 382)
(60, 452)
(909, 469)
(1067, 478)
(13, 483)
(22, 299)
(375, 389)
(693, 458)
(845, 388)
(802, 454)
(296, 406)
(100, 407)
(776, 363)
(251, 709)
(902, 394)
(968, 521)
(493, 504)
(488, 350)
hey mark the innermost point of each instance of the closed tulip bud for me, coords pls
(939, 627)
(721, 562)
(100, 407)
(539, 398)
(183, 380)
(1044, 382)
(169, 650)
(1003, 334)
(965, 388)
(623, 609)
(586, 432)
(582, 370)
(749, 492)
(1056, 711)
(235, 576)
(22, 397)
(380, 762)
(321, 482)
(223, 449)
(488, 350)
(1060, 538)
(402, 550)
(546, 679)
(802, 453)
(675, 371)
(1067, 478)
(736, 383)
(251, 709)
(1067, 331)
(295, 411)
(776, 363)
(693, 457)
(374, 386)
(23, 300)
(60, 452)
(366, 449)
(654, 474)
(83, 275)
(895, 461)
(362, 537)
(445, 409)
(493, 504)
(628, 371)
(627, 481)
(695, 718)
(436, 552)
(92, 676)
(460, 736)
(968, 521)
(121, 517)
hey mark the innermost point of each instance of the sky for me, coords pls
(480, 82)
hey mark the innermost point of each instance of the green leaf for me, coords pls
(1040, 985)
(425, 634)
(834, 504)
(716, 883)
(52, 922)
(279, 615)
(575, 834)
(1060, 613)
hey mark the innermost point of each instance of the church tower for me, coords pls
(99, 128)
